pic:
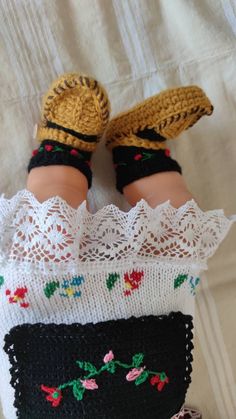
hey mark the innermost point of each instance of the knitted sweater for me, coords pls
(97, 309)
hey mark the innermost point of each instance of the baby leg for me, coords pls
(64, 181)
(158, 188)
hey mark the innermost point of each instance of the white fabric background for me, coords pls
(137, 48)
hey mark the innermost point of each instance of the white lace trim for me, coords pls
(52, 232)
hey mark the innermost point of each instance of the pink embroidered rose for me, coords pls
(134, 373)
(108, 357)
(89, 384)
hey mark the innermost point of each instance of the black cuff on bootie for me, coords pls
(133, 163)
(54, 153)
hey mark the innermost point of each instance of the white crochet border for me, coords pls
(53, 237)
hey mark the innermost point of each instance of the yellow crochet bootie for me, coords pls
(137, 137)
(75, 113)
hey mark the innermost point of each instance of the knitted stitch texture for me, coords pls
(61, 265)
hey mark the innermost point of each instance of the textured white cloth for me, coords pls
(65, 265)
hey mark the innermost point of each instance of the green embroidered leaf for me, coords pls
(141, 378)
(1, 280)
(56, 148)
(162, 376)
(112, 278)
(87, 366)
(137, 359)
(179, 280)
(78, 391)
(111, 367)
(51, 288)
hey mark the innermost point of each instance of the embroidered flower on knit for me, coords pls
(132, 281)
(1, 280)
(192, 282)
(112, 279)
(136, 373)
(67, 288)
(18, 297)
(54, 395)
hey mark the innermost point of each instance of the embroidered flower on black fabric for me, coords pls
(137, 374)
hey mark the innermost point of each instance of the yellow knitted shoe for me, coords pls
(75, 112)
(166, 115)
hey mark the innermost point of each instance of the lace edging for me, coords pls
(52, 231)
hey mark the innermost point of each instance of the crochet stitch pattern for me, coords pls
(43, 356)
(75, 106)
(168, 113)
(139, 374)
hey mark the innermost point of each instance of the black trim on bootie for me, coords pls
(133, 163)
(53, 152)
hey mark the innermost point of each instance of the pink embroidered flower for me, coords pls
(54, 395)
(167, 152)
(134, 373)
(48, 147)
(89, 384)
(74, 152)
(138, 156)
(108, 357)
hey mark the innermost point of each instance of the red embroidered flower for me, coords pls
(74, 152)
(48, 147)
(35, 152)
(132, 281)
(167, 152)
(160, 383)
(18, 296)
(138, 156)
(54, 395)
(88, 163)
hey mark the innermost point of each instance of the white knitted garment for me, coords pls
(65, 265)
